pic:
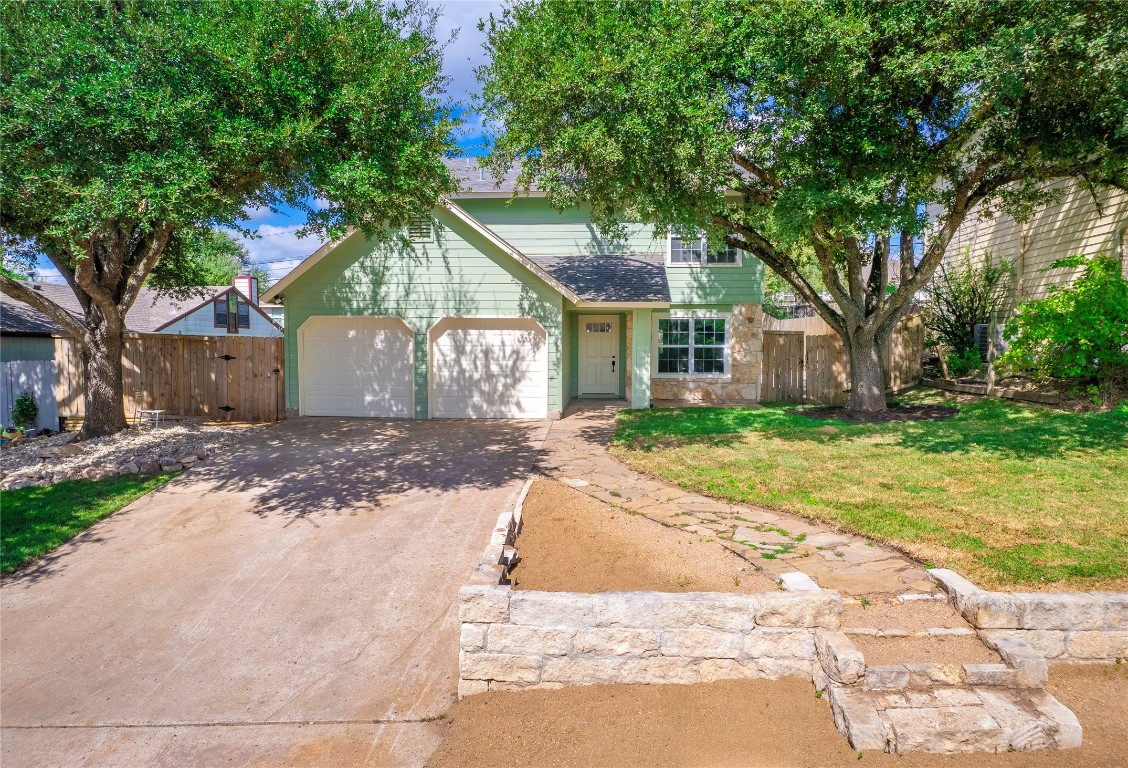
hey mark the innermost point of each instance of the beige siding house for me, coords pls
(1084, 221)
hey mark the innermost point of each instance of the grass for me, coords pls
(33, 521)
(1009, 494)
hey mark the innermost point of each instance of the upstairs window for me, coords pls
(220, 308)
(696, 251)
(244, 314)
(691, 346)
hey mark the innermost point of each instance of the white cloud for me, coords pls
(464, 53)
(278, 248)
(47, 275)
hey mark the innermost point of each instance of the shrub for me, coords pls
(964, 295)
(25, 411)
(1078, 331)
(963, 362)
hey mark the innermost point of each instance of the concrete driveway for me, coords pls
(291, 604)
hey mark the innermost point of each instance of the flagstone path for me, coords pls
(776, 542)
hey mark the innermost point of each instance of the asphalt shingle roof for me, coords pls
(475, 179)
(611, 277)
(149, 312)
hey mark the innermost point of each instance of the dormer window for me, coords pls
(696, 252)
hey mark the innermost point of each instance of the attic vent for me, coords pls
(419, 230)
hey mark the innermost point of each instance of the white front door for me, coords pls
(599, 355)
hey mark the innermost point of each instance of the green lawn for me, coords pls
(1010, 495)
(33, 521)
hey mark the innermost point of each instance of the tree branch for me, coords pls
(144, 267)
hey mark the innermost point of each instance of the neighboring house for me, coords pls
(498, 306)
(1085, 221)
(217, 310)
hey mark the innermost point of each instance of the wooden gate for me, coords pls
(783, 367)
(828, 370)
(218, 378)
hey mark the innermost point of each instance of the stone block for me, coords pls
(1048, 642)
(891, 677)
(471, 687)
(774, 669)
(958, 589)
(1059, 720)
(840, 658)
(799, 609)
(999, 675)
(535, 641)
(616, 641)
(505, 667)
(952, 697)
(925, 675)
(554, 609)
(572, 670)
(659, 669)
(472, 637)
(1022, 729)
(857, 717)
(947, 730)
(726, 669)
(797, 581)
(1097, 645)
(1116, 609)
(771, 642)
(483, 604)
(679, 611)
(1060, 610)
(1029, 665)
(701, 643)
(992, 610)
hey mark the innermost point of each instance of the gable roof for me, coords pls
(150, 312)
(220, 292)
(627, 277)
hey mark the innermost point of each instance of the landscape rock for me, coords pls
(840, 658)
(129, 468)
(151, 467)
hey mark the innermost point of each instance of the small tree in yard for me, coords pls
(830, 128)
(126, 123)
(963, 295)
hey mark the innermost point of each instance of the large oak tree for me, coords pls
(126, 122)
(812, 130)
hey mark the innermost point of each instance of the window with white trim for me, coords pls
(692, 346)
(696, 251)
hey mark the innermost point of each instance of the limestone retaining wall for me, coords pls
(527, 639)
(1063, 627)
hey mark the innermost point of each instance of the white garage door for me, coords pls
(489, 369)
(355, 366)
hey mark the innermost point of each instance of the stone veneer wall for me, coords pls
(528, 639)
(1064, 627)
(746, 356)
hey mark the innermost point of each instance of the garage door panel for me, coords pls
(489, 369)
(356, 366)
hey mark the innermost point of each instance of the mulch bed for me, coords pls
(892, 414)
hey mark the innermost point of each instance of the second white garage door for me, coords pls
(355, 366)
(489, 369)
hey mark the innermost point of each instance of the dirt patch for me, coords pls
(893, 413)
(913, 616)
(571, 542)
(761, 723)
(959, 649)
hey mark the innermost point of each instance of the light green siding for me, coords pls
(26, 348)
(534, 227)
(459, 274)
(640, 359)
(695, 286)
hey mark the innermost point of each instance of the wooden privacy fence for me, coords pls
(816, 369)
(220, 378)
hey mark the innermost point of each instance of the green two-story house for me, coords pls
(502, 307)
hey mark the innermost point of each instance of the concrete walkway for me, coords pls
(777, 542)
(291, 604)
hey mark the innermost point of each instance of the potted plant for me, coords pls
(25, 412)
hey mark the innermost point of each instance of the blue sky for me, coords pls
(277, 247)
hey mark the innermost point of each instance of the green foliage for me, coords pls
(966, 294)
(838, 122)
(24, 410)
(186, 113)
(197, 257)
(36, 520)
(1078, 331)
(964, 361)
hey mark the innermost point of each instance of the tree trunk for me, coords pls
(104, 395)
(867, 374)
